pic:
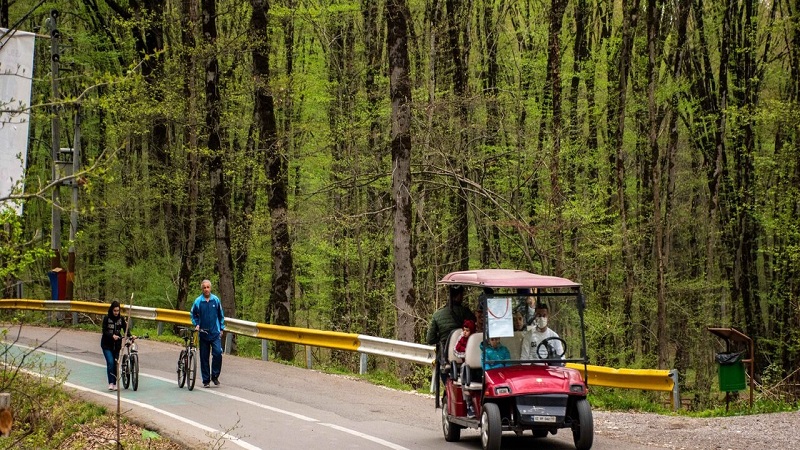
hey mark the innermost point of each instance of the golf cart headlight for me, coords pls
(576, 388)
(502, 390)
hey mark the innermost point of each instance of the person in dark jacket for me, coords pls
(114, 326)
(448, 318)
(207, 315)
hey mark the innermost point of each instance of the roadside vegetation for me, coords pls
(47, 416)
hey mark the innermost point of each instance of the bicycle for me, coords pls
(129, 367)
(187, 360)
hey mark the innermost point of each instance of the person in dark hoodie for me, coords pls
(114, 326)
(448, 318)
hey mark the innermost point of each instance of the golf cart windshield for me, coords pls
(512, 302)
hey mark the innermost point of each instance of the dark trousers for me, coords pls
(215, 348)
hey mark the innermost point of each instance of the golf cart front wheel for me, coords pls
(491, 427)
(583, 432)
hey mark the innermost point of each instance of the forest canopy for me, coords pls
(326, 162)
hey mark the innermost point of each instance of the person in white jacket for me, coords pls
(538, 332)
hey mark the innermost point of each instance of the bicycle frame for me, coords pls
(129, 366)
(187, 360)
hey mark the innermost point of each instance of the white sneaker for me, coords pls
(113, 387)
(110, 387)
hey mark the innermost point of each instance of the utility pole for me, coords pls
(55, 236)
(73, 217)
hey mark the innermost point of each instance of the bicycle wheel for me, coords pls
(182, 369)
(191, 373)
(125, 372)
(134, 366)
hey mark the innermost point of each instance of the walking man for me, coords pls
(207, 315)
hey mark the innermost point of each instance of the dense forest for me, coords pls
(324, 162)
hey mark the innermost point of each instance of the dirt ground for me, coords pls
(758, 431)
(103, 435)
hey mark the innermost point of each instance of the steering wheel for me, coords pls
(546, 351)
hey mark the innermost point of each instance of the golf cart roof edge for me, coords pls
(506, 278)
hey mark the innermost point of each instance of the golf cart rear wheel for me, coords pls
(583, 432)
(452, 432)
(491, 427)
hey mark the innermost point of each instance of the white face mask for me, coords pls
(541, 322)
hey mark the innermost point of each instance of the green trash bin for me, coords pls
(731, 372)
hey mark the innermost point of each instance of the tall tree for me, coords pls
(553, 87)
(276, 157)
(457, 157)
(377, 273)
(220, 192)
(193, 234)
(400, 96)
(630, 18)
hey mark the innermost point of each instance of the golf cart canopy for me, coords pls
(506, 278)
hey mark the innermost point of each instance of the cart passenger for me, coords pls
(448, 318)
(496, 352)
(461, 343)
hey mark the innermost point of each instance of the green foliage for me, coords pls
(17, 255)
(490, 156)
(740, 406)
(44, 415)
(627, 400)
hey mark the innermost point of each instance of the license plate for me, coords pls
(549, 419)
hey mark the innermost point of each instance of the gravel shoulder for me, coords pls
(758, 431)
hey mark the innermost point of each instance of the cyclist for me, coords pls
(207, 315)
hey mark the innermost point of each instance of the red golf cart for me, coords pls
(537, 392)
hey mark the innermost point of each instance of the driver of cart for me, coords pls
(537, 332)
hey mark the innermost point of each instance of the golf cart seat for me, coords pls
(453, 365)
(472, 371)
(513, 343)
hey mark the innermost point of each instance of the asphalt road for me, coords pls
(261, 404)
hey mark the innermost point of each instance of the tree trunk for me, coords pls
(191, 236)
(622, 64)
(220, 193)
(457, 161)
(400, 96)
(275, 166)
(557, 9)
(655, 186)
(378, 268)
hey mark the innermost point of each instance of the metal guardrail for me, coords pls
(644, 379)
(423, 354)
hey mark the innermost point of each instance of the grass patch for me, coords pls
(613, 399)
(741, 407)
(44, 415)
